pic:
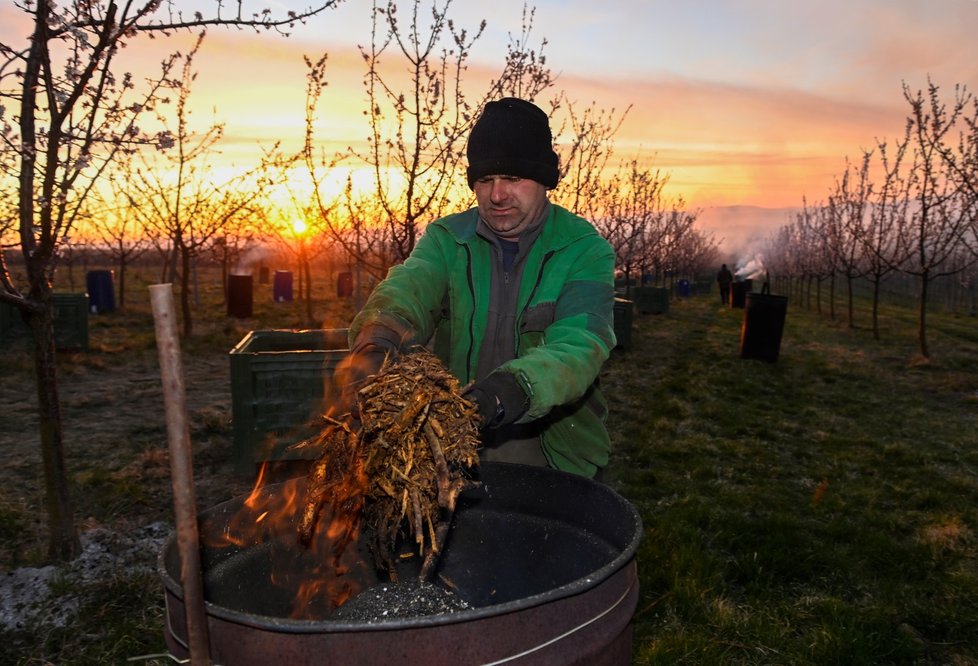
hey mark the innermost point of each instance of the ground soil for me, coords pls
(115, 439)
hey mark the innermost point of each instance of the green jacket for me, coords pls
(565, 327)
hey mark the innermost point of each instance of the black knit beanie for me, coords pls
(512, 138)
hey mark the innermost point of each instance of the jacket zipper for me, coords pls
(471, 281)
(533, 292)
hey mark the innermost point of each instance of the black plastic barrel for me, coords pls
(545, 560)
(760, 334)
(738, 293)
(263, 275)
(101, 297)
(684, 289)
(344, 284)
(282, 287)
(240, 296)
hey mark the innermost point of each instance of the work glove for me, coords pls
(499, 399)
(365, 360)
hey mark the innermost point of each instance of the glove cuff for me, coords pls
(377, 337)
(512, 399)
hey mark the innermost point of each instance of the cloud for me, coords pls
(751, 102)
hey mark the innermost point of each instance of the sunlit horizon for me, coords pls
(744, 105)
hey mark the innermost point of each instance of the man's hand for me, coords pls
(353, 372)
(499, 399)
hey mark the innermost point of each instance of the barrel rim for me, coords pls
(299, 626)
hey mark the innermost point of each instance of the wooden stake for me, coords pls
(181, 471)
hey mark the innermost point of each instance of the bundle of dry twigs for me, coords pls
(405, 465)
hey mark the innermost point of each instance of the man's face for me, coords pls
(508, 204)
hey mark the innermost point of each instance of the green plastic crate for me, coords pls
(70, 322)
(651, 300)
(623, 312)
(277, 387)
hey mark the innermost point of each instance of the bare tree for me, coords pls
(780, 255)
(116, 225)
(679, 233)
(696, 253)
(961, 160)
(417, 136)
(584, 154)
(75, 112)
(888, 216)
(343, 220)
(846, 226)
(231, 245)
(180, 201)
(813, 259)
(941, 216)
(525, 74)
(668, 222)
(367, 245)
(624, 210)
(78, 247)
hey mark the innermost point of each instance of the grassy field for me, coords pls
(821, 509)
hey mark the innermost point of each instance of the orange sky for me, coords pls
(723, 145)
(749, 103)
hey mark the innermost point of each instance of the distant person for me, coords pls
(517, 296)
(724, 278)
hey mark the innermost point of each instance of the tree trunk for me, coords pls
(188, 325)
(225, 272)
(63, 541)
(122, 282)
(922, 321)
(876, 309)
(832, 296)
(307, 276)
(849, 294)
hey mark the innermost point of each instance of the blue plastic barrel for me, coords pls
(282, 287)
(101, 297)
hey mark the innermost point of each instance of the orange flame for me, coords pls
(319, 577)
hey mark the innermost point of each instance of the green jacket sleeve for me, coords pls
(408, 300)
(557, 366)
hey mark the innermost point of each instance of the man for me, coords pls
(515, 296)
(724, 278)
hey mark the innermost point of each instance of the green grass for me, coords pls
(118, 618)
(820, 509)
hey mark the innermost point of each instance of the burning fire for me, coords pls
(399, 474)
(317, 578)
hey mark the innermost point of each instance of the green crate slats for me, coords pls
(651, 300)
(277, 386)
(70, 322)
(623, 310)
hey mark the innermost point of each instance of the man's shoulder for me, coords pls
(460, 225)
(572, 222)
(571, 227)
(565, 214)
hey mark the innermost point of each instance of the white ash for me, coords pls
(392, 601)
(26, 595)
